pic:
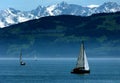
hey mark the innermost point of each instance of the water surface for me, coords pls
(58, 71)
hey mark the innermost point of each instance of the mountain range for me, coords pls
(60, 36)
(12, 16)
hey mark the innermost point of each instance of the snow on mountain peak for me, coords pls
(50, 9)
(2, 24)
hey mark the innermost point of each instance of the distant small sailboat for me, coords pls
(35, 58)
(82, 65)
(21, 61)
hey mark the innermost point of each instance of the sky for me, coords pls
(26, 5)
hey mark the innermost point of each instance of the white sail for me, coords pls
(85, 61)
(20, 56)
(82, 59)
(21, 62)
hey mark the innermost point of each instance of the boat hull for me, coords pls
(80, 71)
(22, 63)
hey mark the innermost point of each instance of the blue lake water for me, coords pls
(58, 71)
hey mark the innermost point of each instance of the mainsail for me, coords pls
(20, 56)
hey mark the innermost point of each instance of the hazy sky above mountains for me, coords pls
(26, 5)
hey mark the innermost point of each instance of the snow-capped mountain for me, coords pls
(108, 7)
(12, 16)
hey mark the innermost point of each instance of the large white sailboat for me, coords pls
(82, 66)
(21, 61)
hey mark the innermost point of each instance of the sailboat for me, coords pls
(21, 61)
(35, 58)
(82, 65)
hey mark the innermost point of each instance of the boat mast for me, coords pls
(83, 54)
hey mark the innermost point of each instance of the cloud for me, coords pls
(92, 6)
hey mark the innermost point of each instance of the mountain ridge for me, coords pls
(12, 16)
